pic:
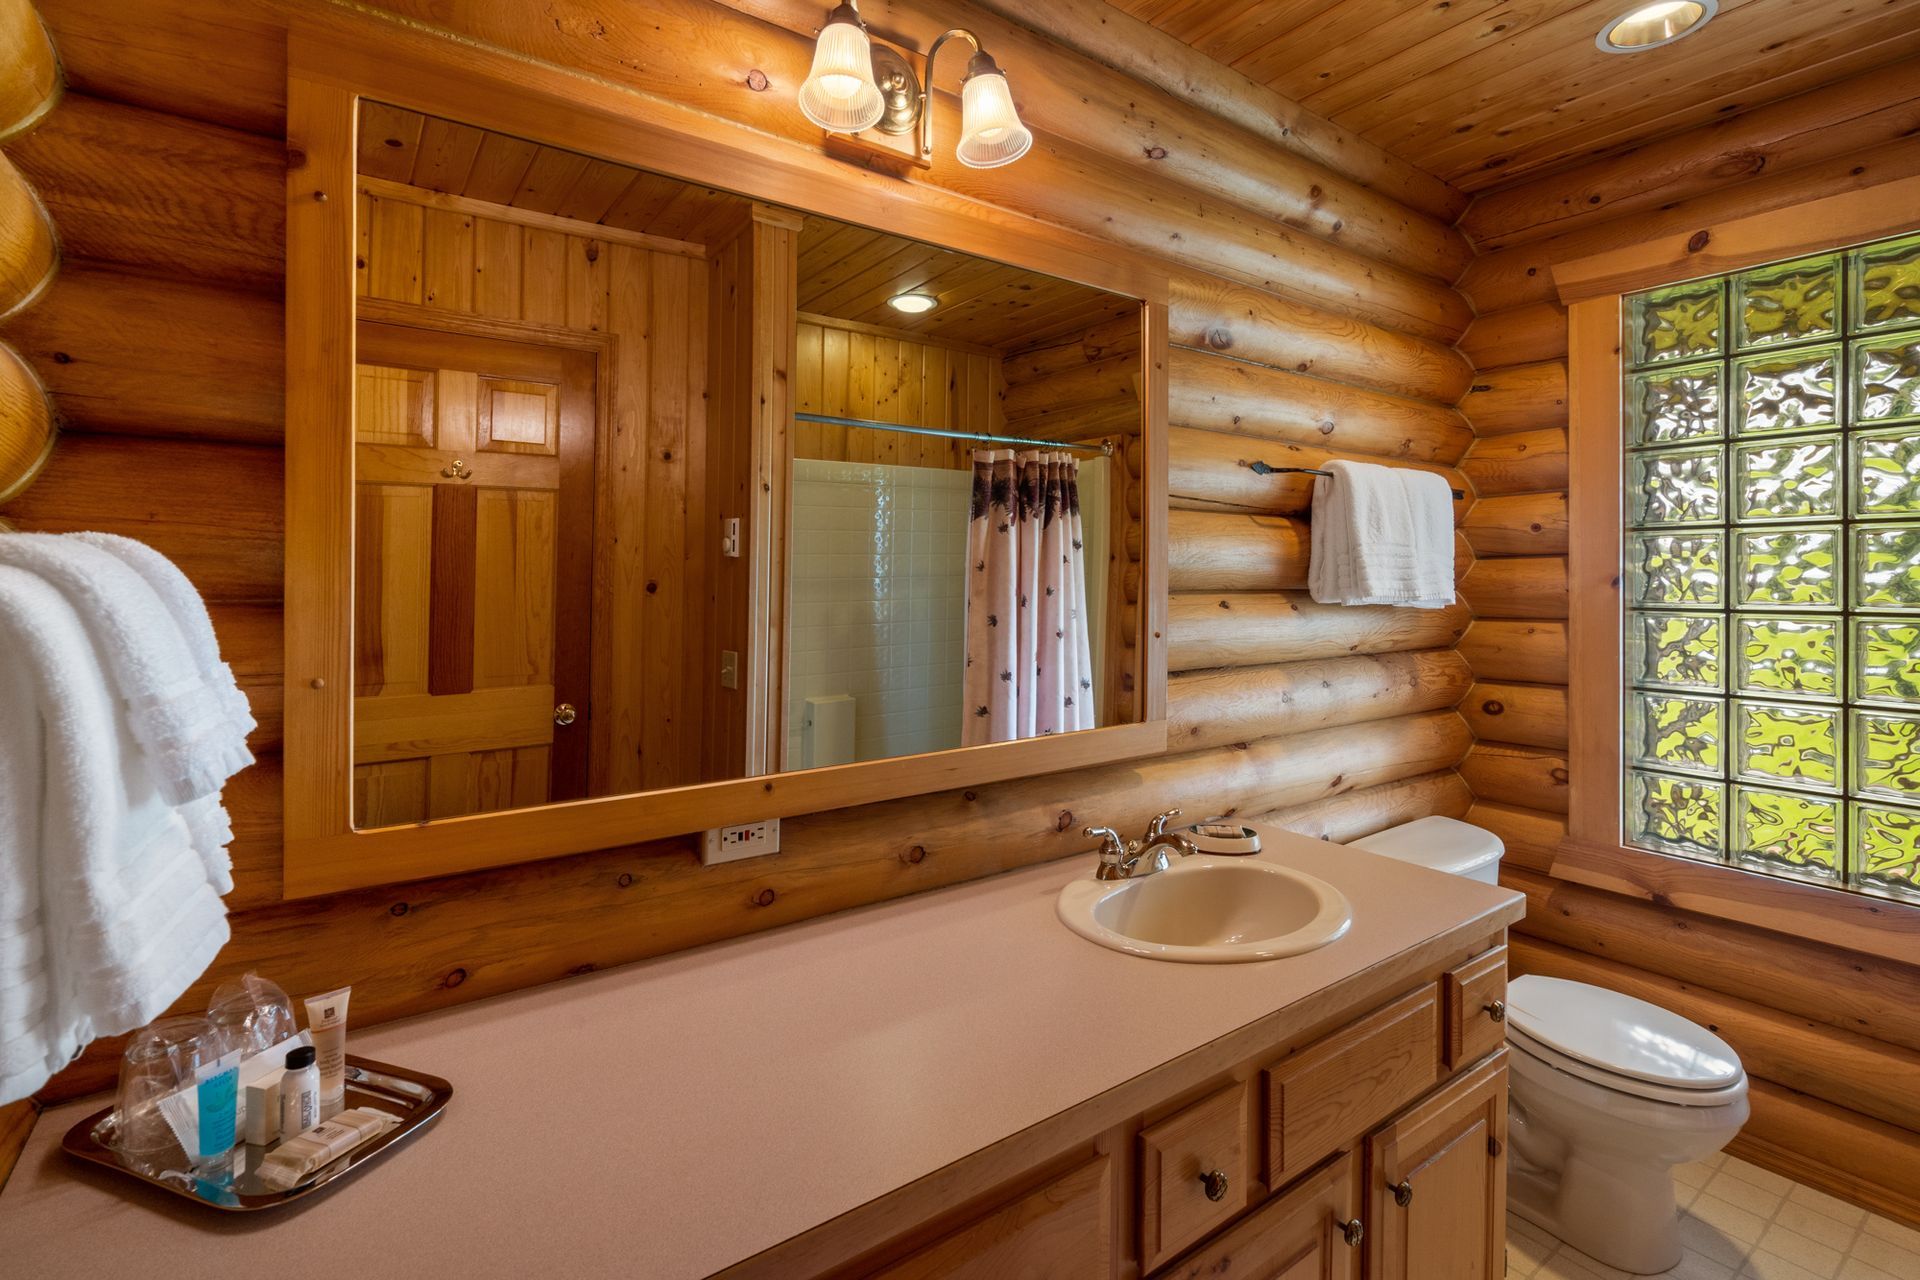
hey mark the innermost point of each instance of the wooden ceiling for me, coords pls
(1483, 93)
(846, 272)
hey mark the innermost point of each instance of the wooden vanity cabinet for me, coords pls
(1370, 1147)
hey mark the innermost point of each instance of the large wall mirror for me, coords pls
(674, 506)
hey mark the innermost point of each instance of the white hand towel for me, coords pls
(186, 729)
(115, 917)
(1381, 535)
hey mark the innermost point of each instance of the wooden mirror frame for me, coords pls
(335, 61)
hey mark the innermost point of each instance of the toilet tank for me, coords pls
(1444, 844)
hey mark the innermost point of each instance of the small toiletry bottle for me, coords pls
(299, 1093)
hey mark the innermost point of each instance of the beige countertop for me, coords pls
(673, 1117)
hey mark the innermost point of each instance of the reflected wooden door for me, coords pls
(473, 573)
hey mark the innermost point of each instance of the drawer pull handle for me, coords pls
(1353, 1232)
(1402, 1193)
(1214, 1183)
(1497, 1010)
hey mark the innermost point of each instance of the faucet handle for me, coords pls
(1158, 827)
(1113, 846)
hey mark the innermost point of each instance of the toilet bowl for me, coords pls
(1607, 1093)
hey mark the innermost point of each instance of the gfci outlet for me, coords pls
(749, 840)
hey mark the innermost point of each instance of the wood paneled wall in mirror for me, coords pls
(657, 486)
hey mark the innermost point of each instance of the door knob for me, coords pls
(1497, 1010)
(458, 471)
(1402, 1192)
(1215, 1184)
(564, 714)
(1353, 1232)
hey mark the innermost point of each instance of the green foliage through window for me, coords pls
(1773, 569)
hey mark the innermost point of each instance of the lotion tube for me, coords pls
(327, 1019)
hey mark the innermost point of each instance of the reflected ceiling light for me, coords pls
(913, 303)
(1652, 25)
(856, 84)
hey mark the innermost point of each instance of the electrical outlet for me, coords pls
(729, 669)
(749, 840)
(730, 537)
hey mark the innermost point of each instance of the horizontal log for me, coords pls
(1521, 524)
(28, 427)
(1518, 335)
(1521, 397)
(29, 254)
(1361, 813)
(1874, 109)
(1531, 837)
(150, 190)
(1240, 704)
(1872, 997)
(1526, 777)
(1532, 652)
(1245, 630)
(1522, 462)
(1146, 53)
(1240, 398)
(135, 354)
(253, 802)
(1227, 318)
(433, 944)
(1832, 1149)
(1523, 275)
(213, 509)
(1871, 1077)
(1517, 587)
(1215, 470)
(1533, 715)
(252, 643)
(30, 70)
(1224, 551)
(1113, 378)
(1099, 344)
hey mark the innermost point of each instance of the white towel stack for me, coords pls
(1381, 535)
(119, 725)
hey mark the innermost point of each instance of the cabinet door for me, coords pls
(1060, 1230)
(1437, 1183)
(1310, 1231)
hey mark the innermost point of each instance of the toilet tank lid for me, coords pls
(1445, 844)
(1620, 1034)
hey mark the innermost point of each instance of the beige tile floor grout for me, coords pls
(1741, 1222)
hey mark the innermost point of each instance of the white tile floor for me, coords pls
(1740, 1222)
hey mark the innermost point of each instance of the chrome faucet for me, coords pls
(1120, 859)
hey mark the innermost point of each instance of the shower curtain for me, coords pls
(1029, 671)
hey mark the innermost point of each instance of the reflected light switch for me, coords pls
(729, 669)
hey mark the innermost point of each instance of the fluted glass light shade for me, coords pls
(840, 95)
(990, 130)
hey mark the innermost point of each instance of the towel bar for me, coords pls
(1262, 469)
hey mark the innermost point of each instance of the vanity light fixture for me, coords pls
(913, 304)
(1652, 25)
(856, 84)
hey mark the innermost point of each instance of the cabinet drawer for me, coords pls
(1300, 1233)
(1193, 1173)
(1476, 1008)
(1320, 1097)
(1064, 1228)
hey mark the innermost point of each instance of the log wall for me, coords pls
(161, 344)
(1828, 1034)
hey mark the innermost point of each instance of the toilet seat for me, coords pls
(1620, 1043)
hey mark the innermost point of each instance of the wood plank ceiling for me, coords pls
(1483, 93)
(846, 272)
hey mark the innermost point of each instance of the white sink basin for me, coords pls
(1207, 910)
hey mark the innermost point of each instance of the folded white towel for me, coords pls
(187, 729)
(108, 913)
(1381, 535)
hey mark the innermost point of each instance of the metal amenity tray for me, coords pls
(415, 1097)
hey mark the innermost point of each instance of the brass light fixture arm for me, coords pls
(926, 84)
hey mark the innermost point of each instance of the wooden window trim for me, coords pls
(1593, 851)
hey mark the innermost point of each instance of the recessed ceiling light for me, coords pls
(1652, 25)
(913, 303)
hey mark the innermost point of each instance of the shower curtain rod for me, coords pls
(1104, 447)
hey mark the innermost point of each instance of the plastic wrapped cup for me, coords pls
(161, 1058)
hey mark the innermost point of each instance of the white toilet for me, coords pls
(1607, 1093)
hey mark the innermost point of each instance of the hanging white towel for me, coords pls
(1381, 535)
(109, 915)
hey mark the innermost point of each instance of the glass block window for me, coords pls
(1772, 636)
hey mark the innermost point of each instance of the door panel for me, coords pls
(1300, 1234)
(1437, 1183)
(472, 549)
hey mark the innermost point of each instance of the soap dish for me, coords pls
(1224, 838)
(415, 1097)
